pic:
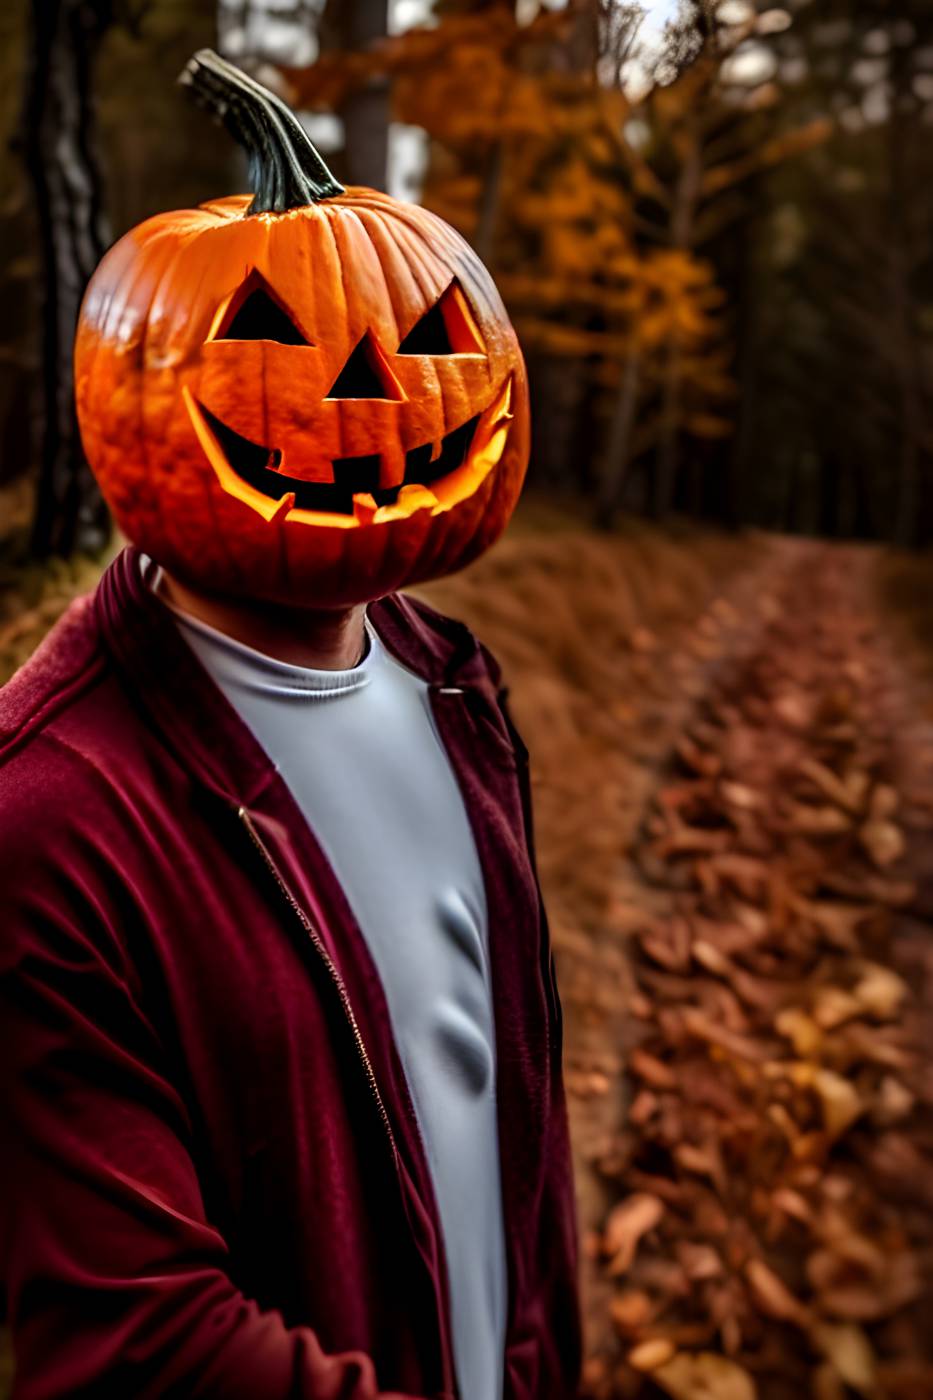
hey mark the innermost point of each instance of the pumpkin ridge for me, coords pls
(386, 246)
(342, 307)
(362, 234)
(124, 297)
(280, 527)
(165, 251)
(219, 533)
(164, 277)
(411, 246)
(88, 344)
(421, 270)
(424, 558)
(170, 263)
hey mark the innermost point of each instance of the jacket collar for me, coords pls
(191, 713)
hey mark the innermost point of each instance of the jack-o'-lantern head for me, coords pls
(310, 395)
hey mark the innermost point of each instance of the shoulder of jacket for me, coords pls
(68, 663)
(453, 633)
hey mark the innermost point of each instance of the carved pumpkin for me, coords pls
(311, 395)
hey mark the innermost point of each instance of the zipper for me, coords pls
(347, 1007)
(329, 963)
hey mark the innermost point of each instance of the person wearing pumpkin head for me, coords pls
(282, 1069)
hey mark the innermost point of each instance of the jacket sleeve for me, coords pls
(116, 1281)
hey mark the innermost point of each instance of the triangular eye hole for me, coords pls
(428, 336)
(255, 313)
(446, 328)
(365, 376)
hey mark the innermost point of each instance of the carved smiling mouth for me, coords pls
(258, 467)
(250, 471)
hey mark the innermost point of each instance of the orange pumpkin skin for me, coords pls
(155, 368)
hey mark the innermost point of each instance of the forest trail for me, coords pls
(750, 1085)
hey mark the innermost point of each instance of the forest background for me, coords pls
(712, 224)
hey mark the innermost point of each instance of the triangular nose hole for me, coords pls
(364, 376)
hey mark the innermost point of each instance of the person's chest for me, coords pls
(372, 778)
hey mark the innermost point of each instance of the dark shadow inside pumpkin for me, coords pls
(258, 466)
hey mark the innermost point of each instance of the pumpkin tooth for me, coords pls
(285, 504)
(437, 447)
(364, 506)
(414, 494)
(392, 465)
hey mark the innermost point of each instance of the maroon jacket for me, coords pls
(212, 1182)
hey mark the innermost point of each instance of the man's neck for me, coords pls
(327, 639)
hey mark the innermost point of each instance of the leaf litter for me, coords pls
(779, 1110)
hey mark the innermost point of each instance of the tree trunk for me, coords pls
(486, 224)
(618, 451)
(684, 211)
(57, 143)
(160, 151)
(908, 352)
(669, 439)
(366, 113)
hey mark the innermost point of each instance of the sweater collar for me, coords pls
(192, 714)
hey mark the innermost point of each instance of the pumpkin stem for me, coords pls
(285, 170)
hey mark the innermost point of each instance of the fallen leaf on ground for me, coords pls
(839, 1101)
(704, 1376)
(648, 1355)
(880, 992)
(801, 1030)
(772, 1295)
(631, 1310)
(883, 841)
(847, 1349)
(627, 1222)
(833, 1006)
(652, 1070)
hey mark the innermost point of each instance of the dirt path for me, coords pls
(748, 1042)
(596, 974)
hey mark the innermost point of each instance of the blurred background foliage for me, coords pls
(711, 224)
